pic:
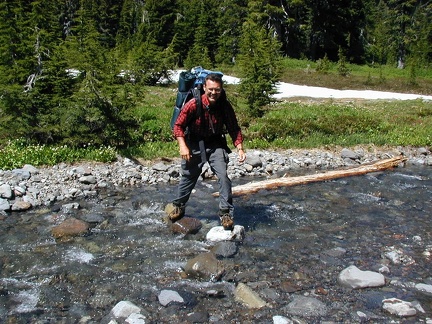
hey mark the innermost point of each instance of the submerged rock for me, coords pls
(399, 307)
(70, 227)
(355, 278)
(306, 306)
(248, 297)
(205, 266)
(167, 296)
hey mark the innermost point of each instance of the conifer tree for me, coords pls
(259, 62)
(229, 24)
(98, 111)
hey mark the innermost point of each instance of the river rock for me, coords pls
(124, 309)
(135, 318)
(197, 317)
(161, 167)
(424, 288)
(248, 297)
(88, 179)
(225, 249)
(254, 161)
(306, 306)
(21, 205)
(354, 278)
(205, 266)
(349, 154)
(397, 256)
(4, 204)
(281, 320)
(186, 225)
(399, 307)
(6, 191)
(21, 174)
(30, 168)
(218, 233)
(168, 296)
(70, 227)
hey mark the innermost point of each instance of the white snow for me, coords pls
(288, 90)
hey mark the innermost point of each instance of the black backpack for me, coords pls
(190, 85)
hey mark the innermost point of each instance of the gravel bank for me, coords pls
(28, 187)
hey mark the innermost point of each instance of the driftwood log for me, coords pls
(253, 187)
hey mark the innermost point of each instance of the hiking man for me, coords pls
(205, 141)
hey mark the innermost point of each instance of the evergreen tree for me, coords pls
(130, 19)
(159, 17)
(229, 24)
(259, 61)
(295, 39)
(98, 110)
(29, 40)
(334, 23)
(402, 12)
(379, 33)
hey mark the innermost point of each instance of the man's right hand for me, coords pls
(184, 149)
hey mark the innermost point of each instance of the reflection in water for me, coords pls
(297, 237)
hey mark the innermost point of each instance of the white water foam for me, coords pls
(79, 255)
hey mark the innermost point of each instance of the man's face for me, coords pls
(212, 90)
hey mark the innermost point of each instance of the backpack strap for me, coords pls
(197, 96)
(200, 114)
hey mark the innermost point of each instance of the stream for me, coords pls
(298, 240)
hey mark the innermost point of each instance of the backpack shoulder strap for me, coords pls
(197, 96)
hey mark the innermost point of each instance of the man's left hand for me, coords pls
(241, 156)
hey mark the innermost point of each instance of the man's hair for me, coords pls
(215, 77)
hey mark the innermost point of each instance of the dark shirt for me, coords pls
(222, 115)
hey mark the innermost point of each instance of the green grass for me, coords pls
(309, 125)
(362, 77)
(16, 154)
(294, 123)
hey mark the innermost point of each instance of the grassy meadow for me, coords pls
(294, 123)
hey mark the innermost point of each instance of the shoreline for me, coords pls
(29, 187)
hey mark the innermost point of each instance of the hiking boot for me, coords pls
(176, 213)
(227, 222)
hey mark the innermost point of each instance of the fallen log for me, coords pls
(253, 187)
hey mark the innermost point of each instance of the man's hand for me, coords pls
(242, 155)
(184, 149)
(185, 153)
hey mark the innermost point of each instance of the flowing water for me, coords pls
(298, 239)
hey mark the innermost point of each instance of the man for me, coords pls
(205, 141)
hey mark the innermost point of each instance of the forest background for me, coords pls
(85, 75)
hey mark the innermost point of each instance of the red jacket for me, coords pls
(222, 117)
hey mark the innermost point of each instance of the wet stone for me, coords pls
(168, 296)
(225, 249)
(197, 317)
(248, 297)
(205, 266)
(21, 205)
(306, 306)
(218, 233)
(355, 278)
(69, 228)
(186, 225)
(4, 204)
(399, 307)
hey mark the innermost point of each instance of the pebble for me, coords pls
(47, 186)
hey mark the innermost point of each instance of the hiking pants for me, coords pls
(191, 170)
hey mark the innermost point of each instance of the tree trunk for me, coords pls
(253, 187)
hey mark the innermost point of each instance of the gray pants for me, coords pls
(218, 161)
